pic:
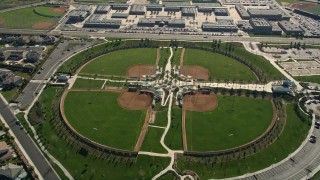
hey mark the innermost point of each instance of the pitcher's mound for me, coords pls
(200, 102)
(134, 100)
(141, 69)
(196, 72)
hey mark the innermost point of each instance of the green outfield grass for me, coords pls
(26, 18)
(312, 79)
(151, 141)
(45, 10)
(117, 63)
(174, 136)
(87, 83)
(97, 116)
(314, 9)
(219, 66)
(86, 167)
(176, 56)
(161, 118)
(291, 138)
(236, 121)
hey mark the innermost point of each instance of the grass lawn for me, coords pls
(151, 141)
(164, 55)
(97, 116)
(24, 19)
(86, 167)
(219, 66)
(289, 1)
(312, 79)
(45, 10)
(174, 136)
(176, 56)
(117, 63)
(316, 176)
(10, 94)
(236, 121)
(74, 61)
(270, 72)
(161, 118)
(277, 151)
(313, 9)
(87, 83)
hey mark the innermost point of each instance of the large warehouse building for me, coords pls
(100, 21)
(162, 21)
(268, 14)
(137, 9)
(221, 25)
(290, 28)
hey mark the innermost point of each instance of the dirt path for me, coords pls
(158, 56)
(184, 133)
(182, 56)
(143, 131)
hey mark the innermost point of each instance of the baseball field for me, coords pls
(97, 116)
(205, 64)
(236, 121)
(123, 63)
(26, 18)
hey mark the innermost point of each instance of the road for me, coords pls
(190, 37)
(162, 36)
(43, 166)
(38, 82)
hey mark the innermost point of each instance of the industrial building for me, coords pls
(154, 7)
(221, 25)
(205, 9)
(100, 21)
(262, 26)
(87, 8)
(242, 11)
(285, 16)
(221, 12)
(290, 28)
(162, 21)
(77, 16)
(245, 26)
(268, 14)
(119, 6)
(103, 9)
(137, 9)
(120, 15)
(188, 11)
(172, 8)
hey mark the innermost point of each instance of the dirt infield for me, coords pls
(303, 5)
(134, 100)
(196, 72)
(141, 69)
(2, 21)
(143, 132)
(43, 25)
(200, 102)
(57, 9)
